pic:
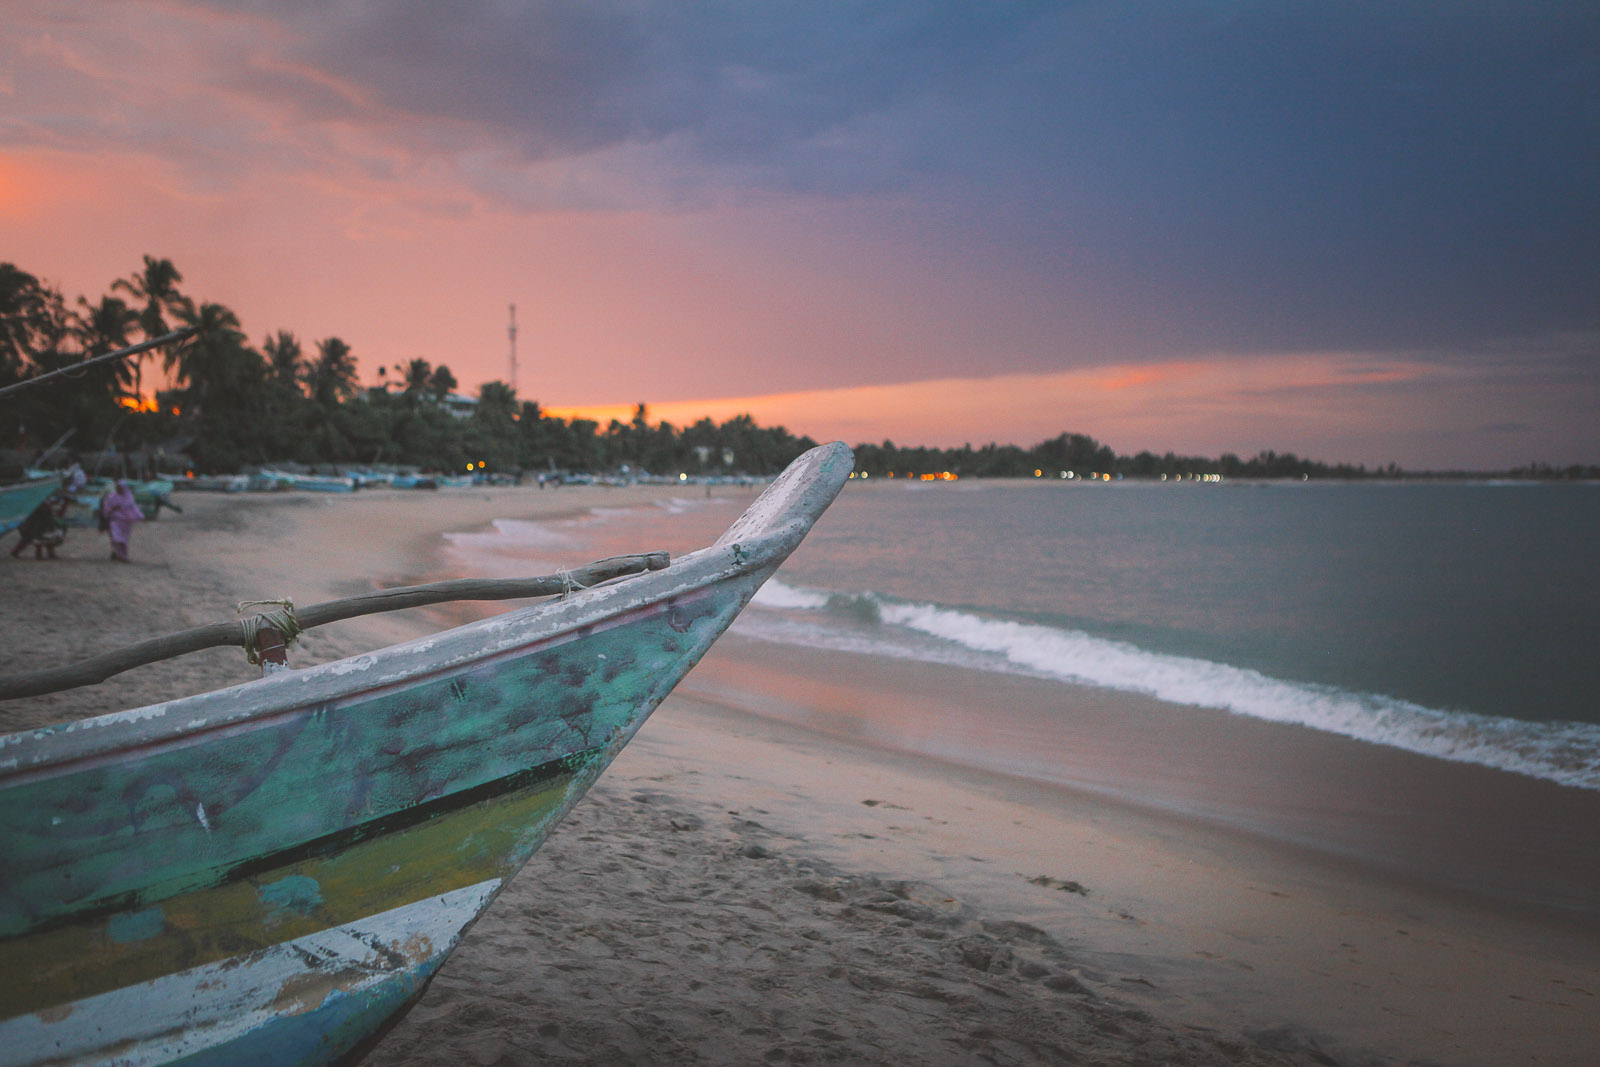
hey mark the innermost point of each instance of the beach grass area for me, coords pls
(758, 880)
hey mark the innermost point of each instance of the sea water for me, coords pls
(1455, 620)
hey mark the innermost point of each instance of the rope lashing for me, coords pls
(291, 623)
(281, 618)
(569, 584)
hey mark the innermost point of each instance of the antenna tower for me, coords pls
(512, 331)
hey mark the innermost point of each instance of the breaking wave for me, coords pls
(1564, 752)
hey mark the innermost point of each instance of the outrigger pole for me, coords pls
(265, 636)
(121, 353)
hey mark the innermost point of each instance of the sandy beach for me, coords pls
(742, 889)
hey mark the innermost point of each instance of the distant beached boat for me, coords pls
(215, 483)
(271, 480)
(151, 496)
(18, 501)
(365, 479)
(325, 483)
(272, 873)
(268, 481)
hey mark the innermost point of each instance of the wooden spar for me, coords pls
(101, 667)
(47, 453)
(121, 353)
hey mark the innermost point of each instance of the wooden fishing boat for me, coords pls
(18, 501)
(272, 873)
(214, 483)
(324, 483)
(151, 496)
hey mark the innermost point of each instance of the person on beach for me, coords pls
(43, 529)
(74, 480)
(118, 513)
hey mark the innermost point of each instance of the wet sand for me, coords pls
(741, 889)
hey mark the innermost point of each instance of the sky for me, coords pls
(1363, 232)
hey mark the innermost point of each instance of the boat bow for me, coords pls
(276, 870)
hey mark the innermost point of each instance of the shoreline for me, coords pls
(1508, 840)
(738, 889)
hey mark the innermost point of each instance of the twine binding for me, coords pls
(281, 618)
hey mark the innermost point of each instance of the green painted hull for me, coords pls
(292, 859)
(18, 501)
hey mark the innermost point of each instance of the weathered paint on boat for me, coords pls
(273, 872)
(18, 501)
(325, 483)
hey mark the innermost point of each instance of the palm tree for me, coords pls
(284, 399)
(497, 401)
(214, 360)
(285, 359)
(33, 321)
(417, 374)
(156, 288)
(104, 327)
(331, 378)
(491, 434)
(441, 383)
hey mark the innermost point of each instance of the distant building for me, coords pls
(460, 406)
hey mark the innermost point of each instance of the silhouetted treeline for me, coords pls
(1080, 456)
(233, 404)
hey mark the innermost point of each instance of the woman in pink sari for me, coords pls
(119, 512)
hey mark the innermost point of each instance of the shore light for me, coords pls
(1038, 474)
(682, 477)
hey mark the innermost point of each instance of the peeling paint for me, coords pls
(294, 895)
(350, 666)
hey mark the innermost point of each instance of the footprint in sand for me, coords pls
(1058, 883)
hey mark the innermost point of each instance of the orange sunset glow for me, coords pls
(872, 254)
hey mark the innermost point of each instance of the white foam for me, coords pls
(776, 594)
(1563, 752)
